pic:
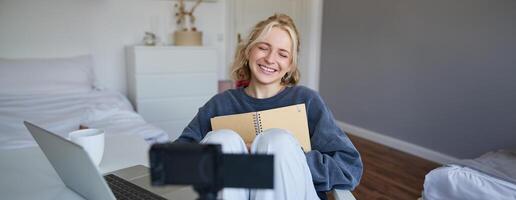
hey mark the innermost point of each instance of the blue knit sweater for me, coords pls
(334, 162)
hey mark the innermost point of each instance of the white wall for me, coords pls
(57, 28)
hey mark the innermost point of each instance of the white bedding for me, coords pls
(491, 176)
(107, 110)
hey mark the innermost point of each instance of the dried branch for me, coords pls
(195, 6)
(182, 14)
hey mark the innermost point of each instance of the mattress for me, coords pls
(61, 114)
(491, 176)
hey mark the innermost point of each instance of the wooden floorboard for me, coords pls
(389, 174)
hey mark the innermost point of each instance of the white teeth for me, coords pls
(267, 69)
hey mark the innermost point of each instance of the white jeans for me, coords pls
(292, 178)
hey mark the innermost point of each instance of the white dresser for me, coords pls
(167, 85)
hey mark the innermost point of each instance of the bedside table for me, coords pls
(167, 85)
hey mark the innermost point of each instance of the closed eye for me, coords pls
(262, 48)
(284, 53)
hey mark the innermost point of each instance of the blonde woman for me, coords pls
(265, 67)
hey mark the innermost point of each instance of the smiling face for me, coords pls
(271, 58)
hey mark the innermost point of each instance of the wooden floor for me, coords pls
(389, 173)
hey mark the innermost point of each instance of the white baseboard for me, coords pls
(397, 144)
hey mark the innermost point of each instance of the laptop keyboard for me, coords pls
(123, 189)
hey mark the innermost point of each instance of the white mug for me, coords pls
(92, 140)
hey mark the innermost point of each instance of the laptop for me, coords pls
(77, 171)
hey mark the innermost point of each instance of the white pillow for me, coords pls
(46, 75)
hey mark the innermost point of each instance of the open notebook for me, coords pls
(248, 125)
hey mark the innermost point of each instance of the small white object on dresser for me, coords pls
(168, 85)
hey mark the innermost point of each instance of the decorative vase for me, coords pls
(187, 38)
(150, 39)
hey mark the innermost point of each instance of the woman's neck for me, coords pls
(263, 91)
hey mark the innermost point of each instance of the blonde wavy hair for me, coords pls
(240, 70)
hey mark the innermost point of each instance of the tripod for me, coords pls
(207, 169)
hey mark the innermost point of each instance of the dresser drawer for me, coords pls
(171, 60)
(168, 84)
(174, 85)
(168, 109)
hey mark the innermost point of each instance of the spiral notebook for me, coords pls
(248, 125)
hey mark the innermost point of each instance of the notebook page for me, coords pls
(243, 124)
(292, 118)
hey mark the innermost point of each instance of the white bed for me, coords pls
(59, 95)
(490, 176)
(62, 114)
